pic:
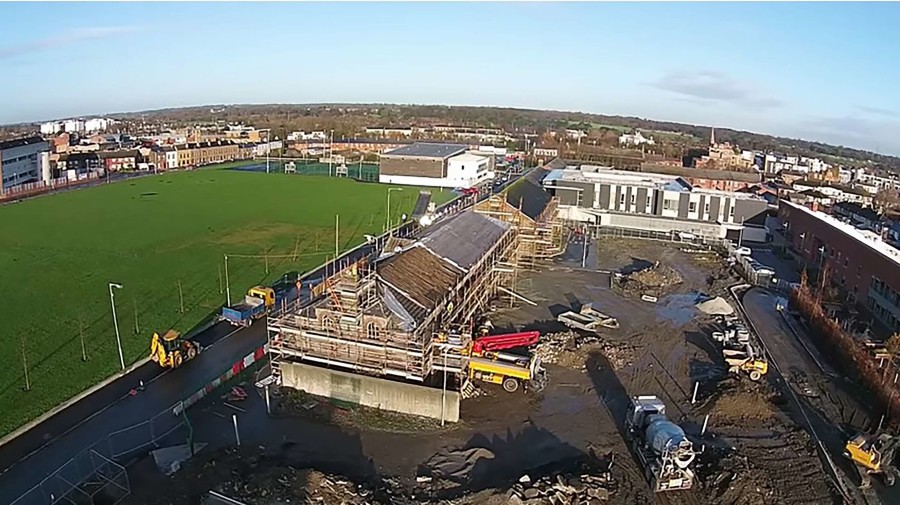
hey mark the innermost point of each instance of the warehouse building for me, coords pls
(23, 161)
(656, 202)
(436, 165)
(859, 262)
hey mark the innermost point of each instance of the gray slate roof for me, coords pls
(9, 144)
(528, 194)
(428, 150)
(465, 238)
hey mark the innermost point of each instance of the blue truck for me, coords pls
(260, 300)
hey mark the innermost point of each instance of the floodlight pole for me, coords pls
(388, 216)
(112, 302)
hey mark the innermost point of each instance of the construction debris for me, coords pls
(571, 349)
(587, 319)
(652, 281)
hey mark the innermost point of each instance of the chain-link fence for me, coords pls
(97, 475)
(364, 172)
(90, 478)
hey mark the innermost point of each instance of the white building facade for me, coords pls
(647, 201)
(24, 160)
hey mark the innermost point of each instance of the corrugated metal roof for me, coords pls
(428, 150)
(465, 238)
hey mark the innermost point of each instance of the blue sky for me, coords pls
(825, 71)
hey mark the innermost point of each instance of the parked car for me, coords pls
(742, 251)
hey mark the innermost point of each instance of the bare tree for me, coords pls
(886, 199)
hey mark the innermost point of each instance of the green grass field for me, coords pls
(59, 252)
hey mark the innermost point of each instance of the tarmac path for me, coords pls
(31, 457)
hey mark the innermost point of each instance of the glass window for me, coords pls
(692, 207)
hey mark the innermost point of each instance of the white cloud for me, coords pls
(64, 39)
(711, 86)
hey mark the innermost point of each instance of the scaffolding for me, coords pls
(369, 322)
(539, 239)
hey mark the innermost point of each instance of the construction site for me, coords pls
(498, 354)
(413, 309)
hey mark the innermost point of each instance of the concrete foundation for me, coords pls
(371, 391)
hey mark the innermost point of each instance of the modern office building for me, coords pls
(436, 165)
(24, 160)
(656, 202)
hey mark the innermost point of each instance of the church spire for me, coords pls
(712, 136)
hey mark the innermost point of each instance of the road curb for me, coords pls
(836, 476)
(87, 392)
(75, 399)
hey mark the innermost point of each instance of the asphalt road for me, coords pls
(41, 451)
(834, 406)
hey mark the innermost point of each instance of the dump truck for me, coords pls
(587, 319)
(259, 301)
(254, 306)
(873, 454)
(509, 373)
(660, 445)
(170, 350)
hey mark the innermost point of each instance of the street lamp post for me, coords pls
(388, 216)
(227, 285)
(330, 152)
(112, 302)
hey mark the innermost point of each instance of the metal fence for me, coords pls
(97, 475)
(364, 172)
(92, 477)
(664, 236)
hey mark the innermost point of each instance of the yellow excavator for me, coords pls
(170, 350)
(873, 454)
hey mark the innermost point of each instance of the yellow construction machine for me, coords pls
(508, 373)
(747, 361)
(170, 350)
(873, 455)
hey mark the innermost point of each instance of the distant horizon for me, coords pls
(818, 71)
(324, 104)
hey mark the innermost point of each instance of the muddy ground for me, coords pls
(754, 451)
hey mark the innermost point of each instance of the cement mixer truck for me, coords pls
(660, 445)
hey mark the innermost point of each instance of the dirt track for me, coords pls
(755, 452)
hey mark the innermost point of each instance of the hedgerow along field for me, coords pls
(154, 235)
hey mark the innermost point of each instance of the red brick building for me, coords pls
(721, 180)
(862, 265)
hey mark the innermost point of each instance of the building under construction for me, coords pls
(406, 311)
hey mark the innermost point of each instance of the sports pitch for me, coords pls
(163, 238)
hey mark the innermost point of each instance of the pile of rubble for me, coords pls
(653, 280)
(560, 490)
(305, 486)
(571, 349)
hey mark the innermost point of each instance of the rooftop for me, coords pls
(10, 144)
(528, 195)
(428, 150)
(470, 157)
(702, 173)
(465, 238)
(871, 240)
(595, 174)
(421, 280)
